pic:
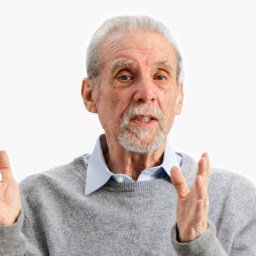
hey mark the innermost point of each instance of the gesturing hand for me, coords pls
(10, 203)
(193, 204)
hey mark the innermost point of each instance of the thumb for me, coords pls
(179, 182)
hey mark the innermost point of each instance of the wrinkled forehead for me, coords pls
(123, 49)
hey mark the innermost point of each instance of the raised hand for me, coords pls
(193, 204)
(10, 203)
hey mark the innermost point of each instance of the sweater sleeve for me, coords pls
(15, 242)
(235, 233)
(205, 245)
(23, 238)
(12, 241)
(245, 239)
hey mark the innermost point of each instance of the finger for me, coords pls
(179, 182)
(5, 168)
(203, 200)
(201, 188)
(202, 213)
(204, 167)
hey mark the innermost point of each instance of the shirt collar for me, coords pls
(98, 173)
(170, 158)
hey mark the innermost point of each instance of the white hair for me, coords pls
(125, 24)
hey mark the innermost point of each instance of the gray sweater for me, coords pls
(127, 219)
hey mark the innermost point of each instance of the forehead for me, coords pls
(137, 47)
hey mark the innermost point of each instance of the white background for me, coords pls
(43, 122)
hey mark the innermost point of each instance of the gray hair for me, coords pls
(125, 24)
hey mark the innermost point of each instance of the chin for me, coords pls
(143, 144)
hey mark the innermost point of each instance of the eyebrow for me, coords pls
(127, 63)
(121, 63)
(165, 63)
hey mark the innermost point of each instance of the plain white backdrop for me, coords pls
(43, 122)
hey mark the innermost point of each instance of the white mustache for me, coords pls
(143, 110)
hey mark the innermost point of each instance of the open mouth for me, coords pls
(143, 119)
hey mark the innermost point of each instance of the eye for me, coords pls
(160, 77)
(125, 77)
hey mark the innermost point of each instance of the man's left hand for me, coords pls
(193, 204)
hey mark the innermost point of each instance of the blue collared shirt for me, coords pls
(98, 173)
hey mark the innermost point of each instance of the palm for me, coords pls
(189, 217)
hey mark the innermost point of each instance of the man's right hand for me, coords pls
(10, 202)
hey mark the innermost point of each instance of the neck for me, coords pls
(120, 160)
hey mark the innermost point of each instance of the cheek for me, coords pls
(110, 113)
(169, 108)
(168, 101)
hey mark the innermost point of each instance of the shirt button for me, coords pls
(120, 179)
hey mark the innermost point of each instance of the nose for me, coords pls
(145, 92)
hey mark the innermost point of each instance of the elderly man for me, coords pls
(133, 195)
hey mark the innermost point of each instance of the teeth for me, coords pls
(144, 119)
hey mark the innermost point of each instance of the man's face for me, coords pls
(138, 95)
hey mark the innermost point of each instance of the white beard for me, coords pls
(142, 139)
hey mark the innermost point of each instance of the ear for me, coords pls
(87, 95)
(179, 100)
